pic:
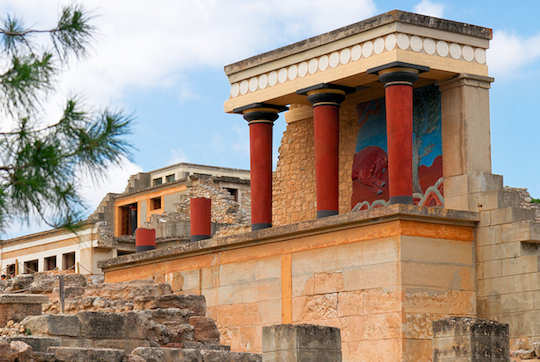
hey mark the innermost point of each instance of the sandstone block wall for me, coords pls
(381, 284)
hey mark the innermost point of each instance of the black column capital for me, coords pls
(326, 94)
(398, 73)
(260, 112)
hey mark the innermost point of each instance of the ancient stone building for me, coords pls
(383, 214)
(157, 199)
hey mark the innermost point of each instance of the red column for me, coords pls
(326, 127)
(399, 133)
(260, 117)
(326, 99)
(260, 152)
(145, 239)
(398, 79)
(200, 218)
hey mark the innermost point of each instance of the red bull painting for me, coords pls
(370, 165)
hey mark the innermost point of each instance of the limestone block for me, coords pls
(205, 329)
(16, 307)
(302, 342)
(75, 354)
(102, 325)
(195, 303)
(53, 325)
(38, 344)
(511, 214)
(470, 339)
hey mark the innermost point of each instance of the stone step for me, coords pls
(38, 344)
(79, 354)
(187, 354)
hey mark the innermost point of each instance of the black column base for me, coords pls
(401, 200)
(199, 237)
(326, 213)
(260, 226)
(141, 248)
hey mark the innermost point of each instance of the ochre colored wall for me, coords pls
(382, 284)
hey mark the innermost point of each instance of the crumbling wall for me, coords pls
(294, 197)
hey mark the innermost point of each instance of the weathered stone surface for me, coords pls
(470, 338)
(22, 299)
(101, 325)
(303, 342)
(21, 282)
(16, 307)
(74, 354)
(15, 351)
(43, 283)
(205, 329)
(38, 344)
(194, 303)
(53, 325)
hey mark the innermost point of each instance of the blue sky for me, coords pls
(164, 64)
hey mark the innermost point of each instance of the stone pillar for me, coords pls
(326, 99)
(398, 79)
(260, 117)
(466, 144)
(470, 339)
(200, 219)
(304, 342)
(145, 239)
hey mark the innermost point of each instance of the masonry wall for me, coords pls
(294, 197)
(382, 284)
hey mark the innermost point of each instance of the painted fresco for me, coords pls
(370, 165)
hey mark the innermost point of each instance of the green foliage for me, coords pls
(535, 201)
(40, 158)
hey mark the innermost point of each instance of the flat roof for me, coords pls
(359, 27)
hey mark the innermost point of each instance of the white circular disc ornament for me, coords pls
(455, 51)
(313, 66)
(468, 53)
(429, 46)
(323, 63)
(345, 56)
(302, 69)
(378, 46)
(480, 55)
(442, 48)
(282, 75)
(244, 87)
(333, 60)
(253, 84)
(403, 41)
(263, 81)
(390, 42)
(416, 43)
(356, 52)
(272, 78)
(292, 72)
(235, 89)
(367, 49)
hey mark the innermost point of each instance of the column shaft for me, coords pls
(326, 123)
(200, 218)
(260, 144)
(399, 117)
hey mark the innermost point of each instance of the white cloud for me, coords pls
(427, 7)
(141, 45)
(114, 180)
(508, 52)
(177, 156)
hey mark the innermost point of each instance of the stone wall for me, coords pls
(294, 197)
(380, 280)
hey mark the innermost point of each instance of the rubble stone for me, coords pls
(78, 354)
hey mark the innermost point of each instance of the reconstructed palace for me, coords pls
(383, 214)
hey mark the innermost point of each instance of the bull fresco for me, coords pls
(370, 165)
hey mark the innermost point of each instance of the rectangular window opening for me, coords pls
(10, 270)
(157, 181)
(50, 263)
(233, 192)
(128, 219)
(69, 261)
(169, 178)
(31, 266)
(155, 203)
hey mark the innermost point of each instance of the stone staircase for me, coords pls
(132, 321)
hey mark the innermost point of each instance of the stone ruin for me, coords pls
(131, 321)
